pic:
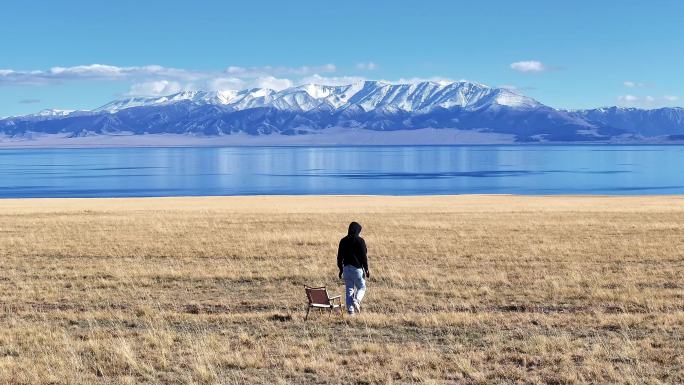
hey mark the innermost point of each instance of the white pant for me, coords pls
(355, 286)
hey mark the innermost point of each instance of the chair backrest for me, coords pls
(317, 295)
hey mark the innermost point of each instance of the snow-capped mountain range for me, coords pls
(368, 96)
(369, 112)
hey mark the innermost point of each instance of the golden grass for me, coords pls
(464, 289)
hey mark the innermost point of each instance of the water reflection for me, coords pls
(395, 170)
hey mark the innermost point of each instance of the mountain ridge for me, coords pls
(369, 105)
(367, 94)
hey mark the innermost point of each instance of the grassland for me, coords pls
(469, 289)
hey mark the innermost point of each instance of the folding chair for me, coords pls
(320, 299)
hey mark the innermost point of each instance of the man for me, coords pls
(353, 263)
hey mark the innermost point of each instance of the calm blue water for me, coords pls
(396, 170)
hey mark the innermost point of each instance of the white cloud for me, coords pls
(528, 66)
(273, 83)
(345, 80)
(516, 89)
(233, 83)
(96, 70)
(254, 72)
(508, 87)
(155, 88)
(627, 98)
(647, 101)
(153, 80)
(631, 84)
(149, 73)
(226, 83)
(366, 66)
(434, 79)
(331, 80)
(93, 72)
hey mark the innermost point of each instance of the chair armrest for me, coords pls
(335, 297)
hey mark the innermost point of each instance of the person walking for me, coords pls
(353, 265)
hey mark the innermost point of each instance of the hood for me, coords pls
(354, 229)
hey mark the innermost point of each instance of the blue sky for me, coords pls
(570, 54)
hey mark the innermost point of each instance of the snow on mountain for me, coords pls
(53, 112)
(369, 95)
(358, 108)
(140, 101)
(47, 114)
(425, 96)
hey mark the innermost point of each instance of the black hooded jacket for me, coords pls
(352, 249)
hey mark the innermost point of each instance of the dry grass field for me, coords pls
(464, 289)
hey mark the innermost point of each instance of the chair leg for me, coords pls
(307, 313)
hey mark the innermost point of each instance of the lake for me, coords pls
(395, 170)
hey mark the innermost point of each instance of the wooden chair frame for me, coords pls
(319, 301)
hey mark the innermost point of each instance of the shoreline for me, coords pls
(354, 203)
(77, 146)
(328, 137)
